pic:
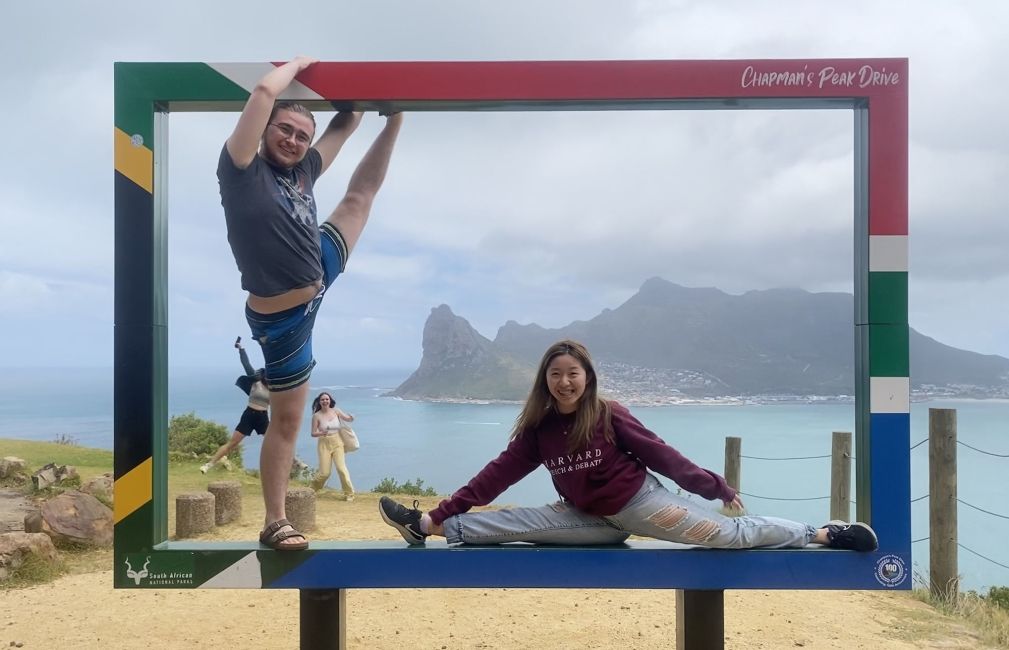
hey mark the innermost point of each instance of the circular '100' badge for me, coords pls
(890, 570)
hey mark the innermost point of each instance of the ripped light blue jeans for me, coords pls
(653, 512)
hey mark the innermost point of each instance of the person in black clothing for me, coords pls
(255, 417)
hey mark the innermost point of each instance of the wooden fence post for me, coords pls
(840, 476)
(942, 545)
(733, 447)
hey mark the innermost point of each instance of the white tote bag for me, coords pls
(350, 441)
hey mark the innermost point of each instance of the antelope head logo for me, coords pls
(137, 575)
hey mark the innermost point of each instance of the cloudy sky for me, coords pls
(540, 217)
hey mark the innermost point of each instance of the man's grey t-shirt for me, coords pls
(272, 222)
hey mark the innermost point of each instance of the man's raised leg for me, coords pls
(286, 409)
(351, 215)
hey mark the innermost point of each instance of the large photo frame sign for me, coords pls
(874, 90)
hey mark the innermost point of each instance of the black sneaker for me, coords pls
(851, 537)
(403, 519)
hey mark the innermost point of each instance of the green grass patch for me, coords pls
(186, 477)
(36, 571)
(89, 462)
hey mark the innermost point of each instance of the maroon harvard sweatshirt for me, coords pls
(598, 480)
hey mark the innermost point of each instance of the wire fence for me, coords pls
(785, 458)
(966, 548)
(914, 500)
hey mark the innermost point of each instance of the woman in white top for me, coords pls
(255, 417)
(327, 421)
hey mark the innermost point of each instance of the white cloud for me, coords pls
(541, 217)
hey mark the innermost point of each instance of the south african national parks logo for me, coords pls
(159, 571)
(890, 571)
(137, 576)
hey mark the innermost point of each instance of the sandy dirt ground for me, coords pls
(84, 611)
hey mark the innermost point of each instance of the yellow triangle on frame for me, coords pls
(133, 490)
(134, 160)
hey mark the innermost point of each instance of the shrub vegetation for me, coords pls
(413, 488)
(190, 437)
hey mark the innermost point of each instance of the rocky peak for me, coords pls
(451, 339)
(460, 363)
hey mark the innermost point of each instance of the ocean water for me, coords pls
(445, 444)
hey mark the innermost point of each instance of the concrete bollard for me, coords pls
(194, 514)
(227, 501)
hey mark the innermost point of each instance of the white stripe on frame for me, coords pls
(888, 253)
(889, 395)
(247, 75)
(244, 574)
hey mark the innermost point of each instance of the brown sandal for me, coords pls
(274, 537)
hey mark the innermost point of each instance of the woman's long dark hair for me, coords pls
(315, 402)
(590, 407)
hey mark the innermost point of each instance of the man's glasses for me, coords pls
(287, 131)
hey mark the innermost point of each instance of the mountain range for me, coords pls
(679, 342)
